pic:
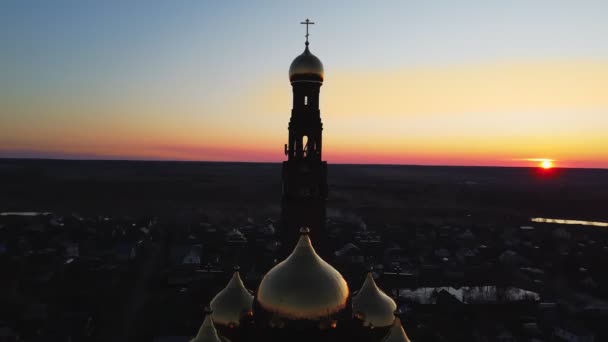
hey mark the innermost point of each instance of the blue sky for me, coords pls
(64, 60)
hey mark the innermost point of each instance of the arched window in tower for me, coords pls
(306, 100)
(305, 145)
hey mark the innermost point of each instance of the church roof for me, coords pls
(396, 334)
(303, 286)
(207, 332)
(374, 307)
(306, 67)
(232, 303)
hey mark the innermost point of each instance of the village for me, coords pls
(75, 278)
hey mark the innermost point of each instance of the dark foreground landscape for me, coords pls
(132, 251)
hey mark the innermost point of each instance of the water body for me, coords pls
(470, 294)
(565, 221)
(23, 213)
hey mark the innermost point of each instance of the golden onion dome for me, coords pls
(374, 307)
(207, 332)
(306, 67)
(232, 303)
(303, 286)
(396, 333)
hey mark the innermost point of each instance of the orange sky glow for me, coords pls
(502, 114)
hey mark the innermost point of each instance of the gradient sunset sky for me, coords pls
(427, 82)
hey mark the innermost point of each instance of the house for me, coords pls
(351, 253)
(505, 336)
(7, 334)
(171, 339)
(194, 256)
(572, 332)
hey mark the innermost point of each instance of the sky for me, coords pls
(496, 83)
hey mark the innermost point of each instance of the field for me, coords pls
(380, 193)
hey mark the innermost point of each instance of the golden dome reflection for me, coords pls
(303, 286)
(207, 332)
(232, 303)
(306, 67)
(396, 333)
(374, 307)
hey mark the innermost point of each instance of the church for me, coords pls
(303, 297)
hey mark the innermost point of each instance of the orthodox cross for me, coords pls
(307, 22)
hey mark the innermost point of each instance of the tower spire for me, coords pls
(307, 22)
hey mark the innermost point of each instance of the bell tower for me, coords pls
(304, 172)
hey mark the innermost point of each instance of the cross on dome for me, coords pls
(307, 22)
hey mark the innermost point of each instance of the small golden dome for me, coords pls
(232, 303)
(374, 307)
(306, 67)
(396, 334)
(303, 286)
(207, 332)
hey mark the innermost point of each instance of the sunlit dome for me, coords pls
(232, 303)
(374, 307)
(303, 286)
(207, 332)
(396, 333)
(306, 67)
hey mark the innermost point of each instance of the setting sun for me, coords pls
(546, 164)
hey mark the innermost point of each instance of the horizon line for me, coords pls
(279, 162)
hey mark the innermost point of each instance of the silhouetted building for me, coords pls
(304, 172)
(303, 298)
